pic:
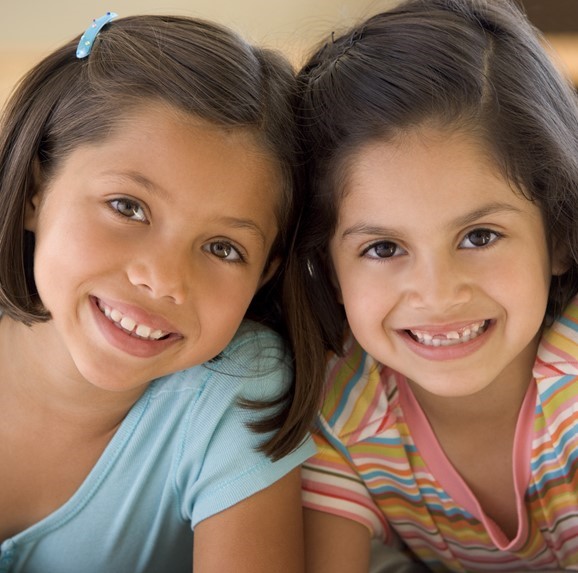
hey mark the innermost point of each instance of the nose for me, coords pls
(438, 283)
(162, 273)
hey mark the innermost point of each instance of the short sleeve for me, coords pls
(331, 485)
(352, 412)
(221, 464)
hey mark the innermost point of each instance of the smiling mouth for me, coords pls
(130, 326)
(452, 337)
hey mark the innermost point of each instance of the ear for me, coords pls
(335, 285)
(269, 271)
(561, 260)
(31, 213)
(33, 204)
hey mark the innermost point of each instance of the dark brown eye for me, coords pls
(383, 250)
(479, 238)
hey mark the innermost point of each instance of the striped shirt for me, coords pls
(372, 468)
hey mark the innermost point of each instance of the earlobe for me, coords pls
(560, 260)
(560, 267)
(31, 213)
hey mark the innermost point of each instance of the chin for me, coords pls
(450, 390)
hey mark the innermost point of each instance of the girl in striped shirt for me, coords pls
(442, 156)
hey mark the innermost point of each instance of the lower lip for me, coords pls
(123, 341)
(441, 353)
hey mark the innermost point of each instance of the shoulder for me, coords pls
(255, 365)
(558, 351)
(253, 346)
(221, 462)
(258, 361)
(358, 393)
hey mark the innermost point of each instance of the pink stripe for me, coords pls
(339, 513)
(337, 492)
(557, 351)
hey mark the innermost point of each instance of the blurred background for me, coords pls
(29, 29)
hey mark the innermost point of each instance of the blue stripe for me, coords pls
(345, 395)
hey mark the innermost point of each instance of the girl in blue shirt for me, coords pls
(146, 200)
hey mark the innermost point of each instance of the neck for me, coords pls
(38, 376)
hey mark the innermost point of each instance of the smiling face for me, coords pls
(150, 247)
(443, 268)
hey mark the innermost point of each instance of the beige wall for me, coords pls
(565, 51)
(29, 29)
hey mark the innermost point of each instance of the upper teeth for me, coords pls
(128, 324)
(451, 337)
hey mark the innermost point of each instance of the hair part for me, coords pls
(473, 66)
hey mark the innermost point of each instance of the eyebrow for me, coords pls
(461, 221)
(247, 224)
(140, 180)
(489, 209)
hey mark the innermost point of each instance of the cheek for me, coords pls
(527, 270)
(362, 287)
(65, 249)
(68, 246)
(224, 299)
(366, 298)
(520, 285)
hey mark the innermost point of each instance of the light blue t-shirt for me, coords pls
(182, 454)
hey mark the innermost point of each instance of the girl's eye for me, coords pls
(226, 251)
(129, 209)
(479, 238)
(383, 250)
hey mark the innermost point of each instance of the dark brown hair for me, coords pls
(193, 65)
(473, 65)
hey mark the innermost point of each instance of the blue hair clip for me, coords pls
(85, 44)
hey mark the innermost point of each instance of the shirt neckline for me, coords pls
(451, 481)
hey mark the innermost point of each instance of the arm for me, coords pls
(261, 534)
(335, 544)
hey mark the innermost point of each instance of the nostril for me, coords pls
(158, 279)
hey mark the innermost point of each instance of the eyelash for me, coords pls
(227, 244)
(135, 206)
(398, 251)
(495, 236)
(366, 251)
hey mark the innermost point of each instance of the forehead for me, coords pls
(179, 150)
(417, 154)
(147, 115)
(423, 169)
(138, 127)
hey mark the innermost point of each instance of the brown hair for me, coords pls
(471, 65)
(197, 67)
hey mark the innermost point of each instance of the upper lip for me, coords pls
(140, 316)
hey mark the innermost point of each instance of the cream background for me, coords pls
(29, 29)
